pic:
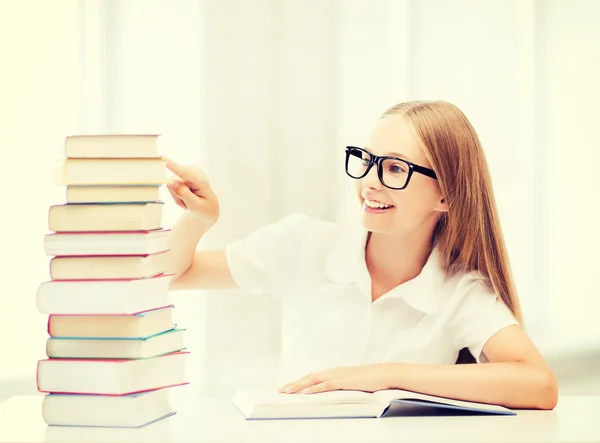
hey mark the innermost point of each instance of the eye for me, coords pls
(398, 168)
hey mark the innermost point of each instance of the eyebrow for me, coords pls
(395, 154)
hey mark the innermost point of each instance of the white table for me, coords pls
(576, 419)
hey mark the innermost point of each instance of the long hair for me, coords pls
(468, 236)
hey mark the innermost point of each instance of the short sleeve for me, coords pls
(263, 260)
(480, 314)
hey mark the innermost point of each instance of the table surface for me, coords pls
(575, 419)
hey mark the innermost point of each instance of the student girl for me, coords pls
(392, 300)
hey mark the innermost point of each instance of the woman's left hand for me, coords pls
(368, 378)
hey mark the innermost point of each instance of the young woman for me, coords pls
(392, 301)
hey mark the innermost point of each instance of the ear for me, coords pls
(442, 205)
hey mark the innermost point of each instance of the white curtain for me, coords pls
(264, 95)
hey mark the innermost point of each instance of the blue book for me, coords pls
(116, 347)
(272, 405)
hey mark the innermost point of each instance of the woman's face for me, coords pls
(417, 205)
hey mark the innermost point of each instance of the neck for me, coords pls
(395, 259)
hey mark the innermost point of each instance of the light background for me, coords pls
(264, 95)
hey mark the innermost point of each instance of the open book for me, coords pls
(265, 404)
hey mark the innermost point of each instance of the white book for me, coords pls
(86, 217)
(143, 324)
(112, 194)
(264, 404)
(112, 146)
(106, 267)
(103, 296)
(121, 411)
(106, 243)
(110, 171)
(110, 377)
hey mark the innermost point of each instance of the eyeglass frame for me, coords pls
(376, 159)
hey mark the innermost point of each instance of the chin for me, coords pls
(376, 224)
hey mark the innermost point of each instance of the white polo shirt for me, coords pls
(318, 271)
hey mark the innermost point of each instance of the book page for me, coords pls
(398, 394)
(275, 398)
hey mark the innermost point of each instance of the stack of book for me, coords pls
(114, 350)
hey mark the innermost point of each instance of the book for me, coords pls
(110, 171)
(116, 348)
(113, 349)
(115, 411)
(264, 404)
(106, 267)
(106, 243)
(112, 194)
(110, 377)
(105, 217)
(103, 296)
(112, 146)
(142, 324)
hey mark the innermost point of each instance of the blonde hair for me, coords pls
(468, 236)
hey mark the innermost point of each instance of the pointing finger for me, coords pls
(178, 169)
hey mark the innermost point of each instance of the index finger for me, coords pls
(177, 169)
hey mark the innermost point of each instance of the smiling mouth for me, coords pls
(377, 205)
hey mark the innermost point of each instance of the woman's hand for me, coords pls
(368, 378)
(191, 190)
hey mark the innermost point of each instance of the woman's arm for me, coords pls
(516, 377)
(191, 191)
(195, 269)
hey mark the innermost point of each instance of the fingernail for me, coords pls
(173, 184)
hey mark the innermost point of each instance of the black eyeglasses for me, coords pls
(393, 172)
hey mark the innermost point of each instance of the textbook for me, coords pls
(264, 405)
(116, 348)
(106, 243)
(141, 324)
(101, 217)
(112, 193)
(110, 146)
(109, 171)
(121, 411)
(110, 376)
(112, 297)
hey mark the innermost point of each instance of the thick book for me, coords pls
(262, 405)
(112, 194)
(110, 377)
(110, 171)
(139, 325)
(112, 146)
(107, 243)
(103, 296)
(115, 411)
(105, 217)
(116, 348)
(106, 267)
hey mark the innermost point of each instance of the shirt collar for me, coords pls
(346, 264)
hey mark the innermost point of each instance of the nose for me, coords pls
(371, 180)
